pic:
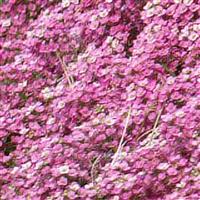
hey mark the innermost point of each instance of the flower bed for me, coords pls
(99, 99)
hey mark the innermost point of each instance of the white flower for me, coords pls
(65, 3)
(130, 87)
(109, 1)
(64, 169)
(29, 176)
(29, 110)
(74, 186)
(177, 1)
(166, 117)
(94, 18)
(39, 165)
(197, 72)
(156, 28)
(179, 113)
(50, 198)
(150, 12)
(39, 32)
(193, 36)
(186, 77)
(148, 5)
(170, 80)
(181, 185)
(110, 120)
(91, 59)
(104, 72)
(163, 166)
(61, 104)
(115, 43)
(175, 30)
(15, 169)
(187, 2)
(26, 166)
(94, 25)
(60, 87)
(98, 179)
(75, 1)
(23, 131)
(109, 39)
(59, 16)
(155, 2)
(124, 154)
(23, 84)
(131, 96)
(47, 93)
(46, 90)
(103, 13)
(33, 148)
(162, 143)
(143, 82)
(89, 186)
(78, 137)
(119, 185)
(7, 44)
(141, 173)
(54, 140)
(132, 179)
(18, 59)
(150, 38)
(96, 121)
(23, 67)
(2, 119)
(186, 70)
(185, 32)
(6, 23)
(196, 27)
(51, 121)
(44, 154)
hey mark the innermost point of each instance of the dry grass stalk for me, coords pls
(154, 130)
(121, 143)
(93, 168)
(70, 79)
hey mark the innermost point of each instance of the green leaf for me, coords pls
(23, 96)
(36, 75)
(8, 146)
(35, 112)
(10, 164)
(8, 81)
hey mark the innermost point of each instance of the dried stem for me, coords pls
(154, 130)
(156, 125)
(93, 168)
(70, 79)
(120, 146)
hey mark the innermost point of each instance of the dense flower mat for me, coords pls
(100, 100)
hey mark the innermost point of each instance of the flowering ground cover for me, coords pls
(100, 99)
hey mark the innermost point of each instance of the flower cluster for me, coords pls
(99, 99)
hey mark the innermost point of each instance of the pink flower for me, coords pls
(62, 181)
(172, 171)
